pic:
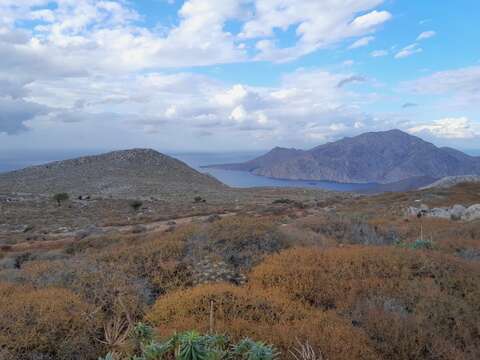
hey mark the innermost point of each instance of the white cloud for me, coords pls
(408, 51)
(317, 24)
(232, 96)
(306, 101)
(371, 19)
(75, 32)
(379, 53)
(238, 114)
(89, 64)
(461, 85)
(362, 42)
(426, 35)
(450, 128)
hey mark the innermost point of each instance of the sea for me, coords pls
(18, 159)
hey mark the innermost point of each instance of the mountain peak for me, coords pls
(373, 157)
(121, 173)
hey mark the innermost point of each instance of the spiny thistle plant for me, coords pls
(254, 350)
(193, 346)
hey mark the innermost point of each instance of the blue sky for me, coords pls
(221, 75)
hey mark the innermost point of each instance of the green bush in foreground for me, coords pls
(194, 346)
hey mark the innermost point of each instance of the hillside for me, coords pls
(375, 157)
(127, 173)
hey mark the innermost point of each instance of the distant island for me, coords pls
(384, 157)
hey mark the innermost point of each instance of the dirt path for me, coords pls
(60, 240)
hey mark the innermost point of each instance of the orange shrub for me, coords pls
(47, 323)
(261, 315)
(419, 304)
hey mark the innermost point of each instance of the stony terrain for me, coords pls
(137, 173)
(377, 157)
(450, 181)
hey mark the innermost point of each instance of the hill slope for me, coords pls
(126, 173)
(381, 157)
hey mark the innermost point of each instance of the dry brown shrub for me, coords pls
(157, 259)
(264, 315)
(52, 322)
(241, 241)
(101, 284)
(412, 304)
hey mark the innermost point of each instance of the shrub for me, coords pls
(249, 312)
(241, 241)
(413, 303)
(60, 198)
(48, 322)
(136, 205)
(101, 284)
(157, 260)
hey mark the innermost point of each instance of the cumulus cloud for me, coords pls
(408, 51)
(73, 64)
(111, 33)
(450, 128)
(317, 24)
(307, 103)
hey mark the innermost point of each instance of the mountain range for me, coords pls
(375, 157)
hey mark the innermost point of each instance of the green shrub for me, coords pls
(136, 205)
(60, 198)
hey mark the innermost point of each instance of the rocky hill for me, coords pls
(450, 181)
(375, 157)
(127, 173)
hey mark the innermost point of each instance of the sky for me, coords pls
(228, 75)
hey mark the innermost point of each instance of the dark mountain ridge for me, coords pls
(374, 157)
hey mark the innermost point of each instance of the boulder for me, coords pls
(472, 213)
(439, 213)
(457, 212)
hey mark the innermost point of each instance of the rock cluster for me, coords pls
(210, 271)
(456, 212)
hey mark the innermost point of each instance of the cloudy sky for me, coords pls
(217, 75)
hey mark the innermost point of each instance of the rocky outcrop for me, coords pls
(451, 181)
(456, 212)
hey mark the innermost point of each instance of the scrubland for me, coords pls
(352, 276)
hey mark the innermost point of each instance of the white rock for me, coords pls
(457, 212)
(439, 213)
(472, 213)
